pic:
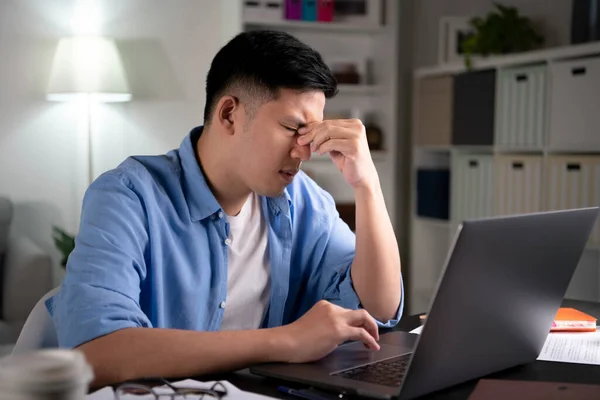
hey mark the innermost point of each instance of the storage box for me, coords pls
(358, 12)
(574, 182)
(473, 108)
(518, 184)
(273, 10)
(252, 10)
(433, 112)
(433, 191)
(520, 108)
(263, 10)
(472, 187)
(575, 105)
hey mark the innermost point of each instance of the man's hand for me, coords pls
(346, 142)
(325, 326)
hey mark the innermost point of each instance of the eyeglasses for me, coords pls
(130, 390)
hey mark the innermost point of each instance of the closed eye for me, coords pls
(291, 129)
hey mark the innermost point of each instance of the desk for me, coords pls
(536, 371)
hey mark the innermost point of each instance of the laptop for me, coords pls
(503, 282)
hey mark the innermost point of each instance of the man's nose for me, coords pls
(301, 152)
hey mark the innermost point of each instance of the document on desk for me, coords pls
(233, 392)
(572, 347)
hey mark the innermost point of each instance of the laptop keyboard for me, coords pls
(386, 372)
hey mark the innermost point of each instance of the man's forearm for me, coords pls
(135, 353)
(376, 267)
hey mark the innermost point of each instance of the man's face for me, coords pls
(268, 152)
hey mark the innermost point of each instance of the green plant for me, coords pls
(64, 242)
(502, 31)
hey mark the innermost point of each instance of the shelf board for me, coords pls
(504, 150)
(379, 155)
(315, 26)
(517, 150)
(361, 89)
(578, 152)
(439, 223)
(440, 148)
(524, 58)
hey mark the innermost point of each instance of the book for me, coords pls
(572, 320)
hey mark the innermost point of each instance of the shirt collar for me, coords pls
(200, 199)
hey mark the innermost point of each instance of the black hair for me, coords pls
(262, 62)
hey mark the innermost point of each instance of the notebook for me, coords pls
(572, 320)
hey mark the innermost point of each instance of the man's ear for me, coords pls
(227, 109)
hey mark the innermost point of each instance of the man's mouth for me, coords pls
(288, 174)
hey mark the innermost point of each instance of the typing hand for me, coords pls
(319, 331)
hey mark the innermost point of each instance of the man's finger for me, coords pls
(356, 333)
(308, 127)
(363, 319)
(343, 146)
(323, 134)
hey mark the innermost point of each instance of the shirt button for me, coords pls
(222, 305)
(227, 242)
(220, 214)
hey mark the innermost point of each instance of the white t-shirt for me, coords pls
(248, 272)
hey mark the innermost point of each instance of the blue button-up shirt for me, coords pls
(151, 252)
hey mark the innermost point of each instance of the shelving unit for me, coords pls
(523, 105)
(373, 46)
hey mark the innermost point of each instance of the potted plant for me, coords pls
(65, 243)
(502, 31)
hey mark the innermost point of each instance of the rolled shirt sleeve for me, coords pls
(101, 290)
(338, 245)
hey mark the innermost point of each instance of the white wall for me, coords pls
(553, 17)
(167, 47)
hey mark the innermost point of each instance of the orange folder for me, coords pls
(572, 320)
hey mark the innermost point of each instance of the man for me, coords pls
(222, 254)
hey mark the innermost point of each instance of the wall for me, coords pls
(167, 51)
(553, 17)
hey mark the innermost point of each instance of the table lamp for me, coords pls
(88, 68)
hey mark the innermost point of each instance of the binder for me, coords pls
(309, 10)
(293, 9)
(518, 184)
(325, 10)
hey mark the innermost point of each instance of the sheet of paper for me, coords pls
(575, 347)
(232, 392)
(417, 330)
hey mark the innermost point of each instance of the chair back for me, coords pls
(38, 331)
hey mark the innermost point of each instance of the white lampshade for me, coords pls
(88, 65)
